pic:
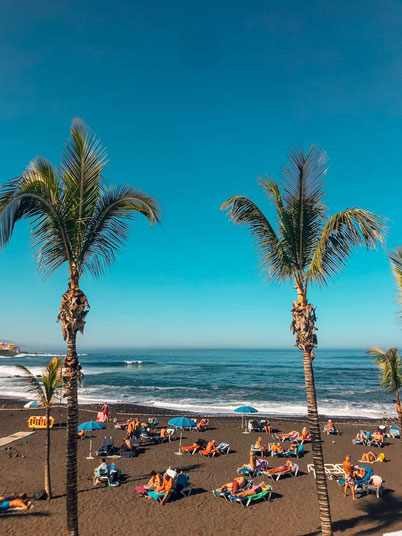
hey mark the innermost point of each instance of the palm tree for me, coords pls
(390, 365)
(45, 394)
(307, 247)
(396, 264)
(75, 220)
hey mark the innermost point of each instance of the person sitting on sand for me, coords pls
(369, 457)
(166, 487)
(349, 478)
(237, 484)
(254, 490)
(251, 464)
(103, 468)
(281, 468)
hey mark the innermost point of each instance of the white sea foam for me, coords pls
(136, 362)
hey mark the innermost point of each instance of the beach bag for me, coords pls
(381, 457)
(39, 495)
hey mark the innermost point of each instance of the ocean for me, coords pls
(217, 381)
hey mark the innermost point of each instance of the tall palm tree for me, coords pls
(390, 365)
(75, 220)
(307, 247)
(396, 264)
(45, 394)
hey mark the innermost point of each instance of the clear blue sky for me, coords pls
(194, 101)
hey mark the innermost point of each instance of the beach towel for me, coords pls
(14, 437)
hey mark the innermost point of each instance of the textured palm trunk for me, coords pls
(399, 411)
(303, 326)
(48, 484)
(73, 310)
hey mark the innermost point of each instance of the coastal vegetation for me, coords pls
(390, 364)
(308, 247)
(396, 264)
(78, 221)
(45, 394)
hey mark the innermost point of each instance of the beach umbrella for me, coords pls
(244, 410)
(90, 426)
(182, 422)
(32, 404)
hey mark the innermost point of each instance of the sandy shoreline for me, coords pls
(108, 511)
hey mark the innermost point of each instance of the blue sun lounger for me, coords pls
(394, 432)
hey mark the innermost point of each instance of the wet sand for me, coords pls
(109, 511)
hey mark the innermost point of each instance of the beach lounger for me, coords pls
(291, 471)
(260, 466)
(360, 485)
(254, 426)
(183, 485)
(224, 448)
(357, 441)
(101, 475)
(331, 470)
(288, 437)
(327, 430)
(246, 501)
(394, 432)
(107, 447)
(298, 454)
(277, 438)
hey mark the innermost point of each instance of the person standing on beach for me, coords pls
(349, 480)
(105, 411)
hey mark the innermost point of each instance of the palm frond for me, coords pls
(33, 385)
(345, 230)
(35, 195)
(396, 264)
(304, 190)
(108, 228)
(390, 365)
(51, 378)
(82, 164)
(274, 262)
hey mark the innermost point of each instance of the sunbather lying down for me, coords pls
(14, 501)
(195, 446)
(237, 484)
(369, 457)
(254, 490)
(281, 468)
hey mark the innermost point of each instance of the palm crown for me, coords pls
(307, 245)
(51, 382)
(390, 364)
(74, 217)
(396, 263)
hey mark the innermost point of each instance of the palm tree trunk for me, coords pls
(316, 445)
(73, 310)
(48, 485)
(303, 326)
(71, 446)
(399, 411)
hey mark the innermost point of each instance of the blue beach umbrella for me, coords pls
(245, 410)
(91, 426)
(182, 422)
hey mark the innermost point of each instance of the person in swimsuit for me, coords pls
(237, 484)
(254, 490)
(251, 464)
(369, 457)
(349, 479)
(281, 468)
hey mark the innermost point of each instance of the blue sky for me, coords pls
(194, 101)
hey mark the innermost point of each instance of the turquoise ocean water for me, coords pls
(217, 381)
